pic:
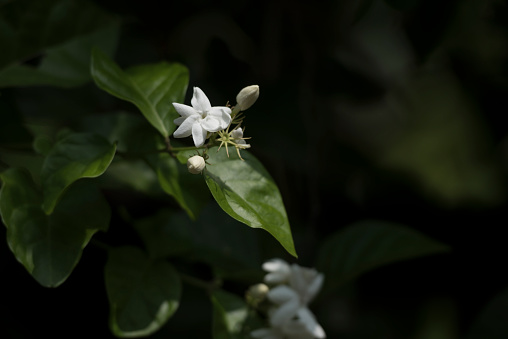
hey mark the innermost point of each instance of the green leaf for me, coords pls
(214, 238)
(246, 191)
(367, 245)
(49, 246)
(29, 26)
(188, 190)
(229, 315)
(143, 293)
(66, 65)
(76, 156)
(491, 322)
(152, 88)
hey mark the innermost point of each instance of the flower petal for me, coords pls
(314, 287)
(266, 333)
(211, 124)
(308, 319)
(284, 313)
(184, 110)
(185, 128)
(200, 101)
(275, 264)
(282, 294)
(221, 113)
(198, 134)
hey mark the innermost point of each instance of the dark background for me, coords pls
(389, 110)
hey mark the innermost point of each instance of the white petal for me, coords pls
(185, 128)
(237, 134)
(178, 121)
(308, 319)
(200, 101)
(211, 124)
(266, 333)
(297, 279)
(198, 134)
(279, 269)
(184, 110)
(223, 114)
(284, 313)
(275, 265)
(282, 294)
(314, 287)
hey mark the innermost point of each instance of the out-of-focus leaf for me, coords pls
(443, 145)
(213, 238)
(229, 315)
(29, 26)
(491, 322)
(66, 65)
(370, 244)
(247, 192)
(49, 246)
(188, 190)
(152, 88)
(75, 156)
(12, 130)
(143, 293)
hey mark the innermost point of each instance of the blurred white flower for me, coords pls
(291, 318)
(293, 312)
(279, 271)
(201, 118)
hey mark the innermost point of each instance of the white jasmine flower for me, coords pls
(237, 135)
(196, 164)
(293, 312)
(278, 269)
(297, 287)
(201, 118)
(247, 97)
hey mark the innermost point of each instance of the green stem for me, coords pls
(206, 285)
(190, 148)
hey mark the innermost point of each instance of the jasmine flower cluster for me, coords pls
(293, 289)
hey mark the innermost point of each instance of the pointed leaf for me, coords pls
(246, 191)
(370, 244)
(152, 88)
(49, 246)
(143, 293)
(229, 315)
(76, 156)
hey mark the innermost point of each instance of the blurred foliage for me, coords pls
(369, 109)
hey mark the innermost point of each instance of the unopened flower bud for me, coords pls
(256, 293)
(247, 97)
(196, 164)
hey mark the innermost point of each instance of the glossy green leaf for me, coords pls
(370, 244)
(152, 88)
(30, 26)
(49, 246)
(75, 156)
(66, 65)
(143, 293)
(229, 315)
(246, 191)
